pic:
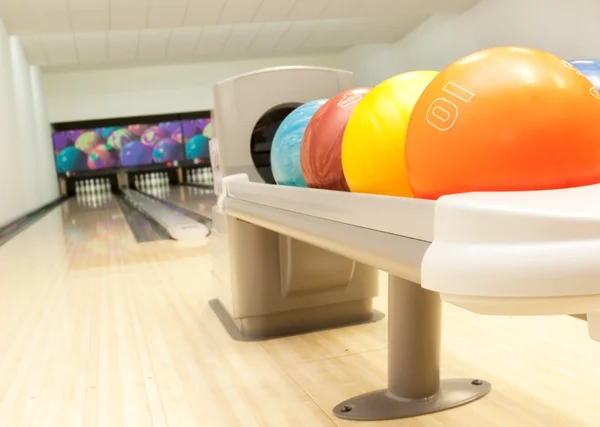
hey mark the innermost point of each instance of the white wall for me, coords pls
(26, 183)
(12, 202)
(48, 182)
(23, 103)
(568, 29)
(136, 91)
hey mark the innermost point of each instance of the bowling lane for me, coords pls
(198, 200)
(100, 330)
(94, 223)
(81, 233)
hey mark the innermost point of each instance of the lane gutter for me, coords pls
(14, 228)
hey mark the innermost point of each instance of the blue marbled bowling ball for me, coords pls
(285, 150)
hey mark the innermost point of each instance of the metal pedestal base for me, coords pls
(414, 345)
(382, 405)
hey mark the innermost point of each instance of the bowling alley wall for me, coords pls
(76, 95)
(568, 29)
(27, 173)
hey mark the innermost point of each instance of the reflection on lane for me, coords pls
(142, 227)
(174, 197)
(102, 229)
(196, 199)
(94, 231)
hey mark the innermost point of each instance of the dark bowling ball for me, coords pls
(321, 151)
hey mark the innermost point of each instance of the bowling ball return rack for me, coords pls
(501, 253)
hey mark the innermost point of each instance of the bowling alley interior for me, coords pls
(303, 213)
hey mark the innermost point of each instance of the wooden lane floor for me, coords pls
(98, 330)
(191, 198)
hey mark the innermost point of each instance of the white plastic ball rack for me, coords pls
(502, 253)
(267, 284)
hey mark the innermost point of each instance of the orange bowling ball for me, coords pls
(504, 119)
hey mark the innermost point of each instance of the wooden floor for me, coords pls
(191, 198)
(98, 330)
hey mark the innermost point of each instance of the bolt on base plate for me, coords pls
(382, 405)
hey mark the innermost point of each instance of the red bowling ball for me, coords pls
(321, 150)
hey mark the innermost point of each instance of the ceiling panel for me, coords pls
(60, 49)
(123, 45)
(340, 9)
(126, 4)
(237, 12)
(269, 35)
(84, 21)
(153, 44)
(307, 10)
(183, 42)
(273, 10)
(203, 12)
(89, 4)
(38, 5)
(92, 47)
(212, 40)
(324, 34)
(165, 17)
(295, 36)
(169, 3)
(131, 18)
(71, 32)
(24, 22)
(240, 39)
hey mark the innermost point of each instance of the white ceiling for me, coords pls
(80, 32)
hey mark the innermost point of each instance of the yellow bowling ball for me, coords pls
(373, 144)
